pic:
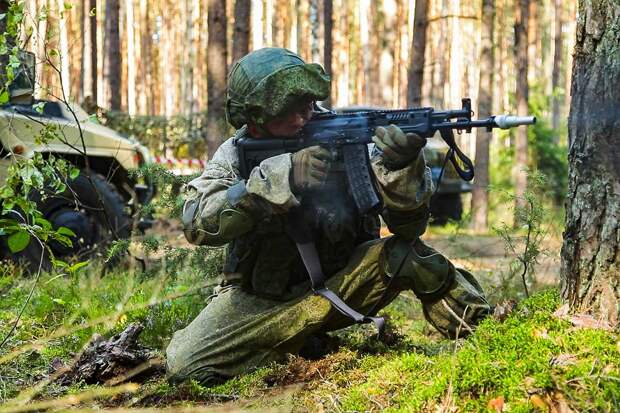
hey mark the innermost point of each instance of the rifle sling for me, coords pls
(312, 263)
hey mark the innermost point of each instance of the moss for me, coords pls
(531, 352)
(511, 359)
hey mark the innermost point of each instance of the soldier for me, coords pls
(264, 308)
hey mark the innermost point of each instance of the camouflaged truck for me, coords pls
(446, 203)
(97, 208)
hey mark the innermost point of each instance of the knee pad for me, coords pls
(416, 266)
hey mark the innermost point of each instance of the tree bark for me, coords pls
(328, 21)
(112, 56)
(480, 198)
(590, 273)
(89, 55)
(418, 49)
(216, 74)
(131, 58)
(557, 67)
(521, 147)
(241, 36)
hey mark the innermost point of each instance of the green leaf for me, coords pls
(68, 6)
(74, 173)
(59, 263)
(59, 301)
(2, 16)
(18, 241)
(65, 231)
(38, 107)
(53, 52)
(4, 97)
(44, 223)
(77, 266)
(66, 241)
(93, 12)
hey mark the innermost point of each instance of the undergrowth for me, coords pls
(530, 361)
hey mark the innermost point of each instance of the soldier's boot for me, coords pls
(452, 299)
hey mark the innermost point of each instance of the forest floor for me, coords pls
(533, 357)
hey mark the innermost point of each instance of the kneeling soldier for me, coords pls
(265, 307)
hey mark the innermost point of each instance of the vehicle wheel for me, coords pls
(93, 209)
(445, 207)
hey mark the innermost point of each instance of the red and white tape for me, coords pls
(181, 166)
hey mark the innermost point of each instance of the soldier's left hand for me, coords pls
(398, 149)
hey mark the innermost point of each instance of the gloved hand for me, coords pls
(398, 149)
(310, 168)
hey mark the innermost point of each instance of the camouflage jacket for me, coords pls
(251, 218)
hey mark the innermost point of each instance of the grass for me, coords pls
(532, 360)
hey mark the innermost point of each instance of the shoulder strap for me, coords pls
(310, 258)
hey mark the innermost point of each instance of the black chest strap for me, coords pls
(310, 258)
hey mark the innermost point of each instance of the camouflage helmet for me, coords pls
(265, 82)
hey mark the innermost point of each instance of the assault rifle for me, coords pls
(348, 134)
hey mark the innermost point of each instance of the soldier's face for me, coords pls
(291, 122)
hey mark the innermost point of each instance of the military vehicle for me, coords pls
(446, 203)
(100, 202)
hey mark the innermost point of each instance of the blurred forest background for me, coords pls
(157, 69)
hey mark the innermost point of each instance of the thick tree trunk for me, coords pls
(590, 272)
(112, 56)
(418, 48)
(241, 36)
(328, 21)
(521, 147)
(480, 198)
(216, 78)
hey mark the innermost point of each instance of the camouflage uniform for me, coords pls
(264, 308)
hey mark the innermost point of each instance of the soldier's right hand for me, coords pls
(310, 168)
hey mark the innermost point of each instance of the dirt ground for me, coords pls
(484, 255)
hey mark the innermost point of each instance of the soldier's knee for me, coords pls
(461, 308)
(416, 266)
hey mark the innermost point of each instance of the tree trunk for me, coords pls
(480, 198)
(241, 36)
(521, 147)
(590, 273)
(257, 24)
(557, 67)
(89, 55)
(131, 58)
(64, 57)
(418, 48)
(112, 57)
(216, 74)
(328, 21)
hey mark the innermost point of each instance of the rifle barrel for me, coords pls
(509, 121)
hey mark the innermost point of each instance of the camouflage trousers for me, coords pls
(238, 332)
